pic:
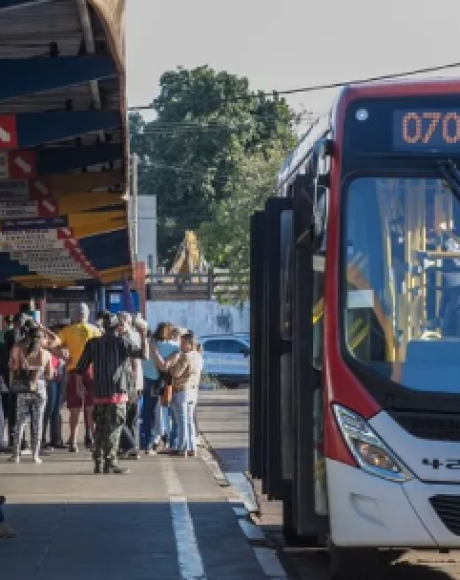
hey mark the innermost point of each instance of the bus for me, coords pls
(355, 328)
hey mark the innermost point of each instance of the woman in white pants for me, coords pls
(186, 372)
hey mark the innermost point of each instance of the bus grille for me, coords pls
(447, 508)
(429, 426)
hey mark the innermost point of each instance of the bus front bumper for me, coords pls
(368, 511)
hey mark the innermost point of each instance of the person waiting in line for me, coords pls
(149, 401)
(52, 419)
(13, 334)
(110, 357)
(30, 358)
(73, 341)
(186, 369)
(129, 440)
(165, 345)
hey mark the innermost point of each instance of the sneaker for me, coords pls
(73, 448)
(26, 451)
(37, 460)
(14, 459)
(115, 469)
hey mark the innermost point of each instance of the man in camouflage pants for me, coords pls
(113, 383)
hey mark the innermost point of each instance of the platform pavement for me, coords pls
(167, 520)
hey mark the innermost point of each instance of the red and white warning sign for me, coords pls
(22, 164)
(8, 132)
(48, 208)
(39, 189)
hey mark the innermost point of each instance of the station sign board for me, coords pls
(20, 225)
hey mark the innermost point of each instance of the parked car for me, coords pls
(226, 357)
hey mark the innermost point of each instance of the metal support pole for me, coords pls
(134, 206)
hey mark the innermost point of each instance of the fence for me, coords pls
(218, 283)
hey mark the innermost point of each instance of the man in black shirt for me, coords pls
(113, 384)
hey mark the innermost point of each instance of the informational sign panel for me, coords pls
(30, 245)
(35, 235)
(14, 189)
(19, 225)
(19, 208)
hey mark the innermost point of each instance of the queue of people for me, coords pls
(116, 372)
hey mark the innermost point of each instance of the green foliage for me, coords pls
(225, 240)
(195, 153)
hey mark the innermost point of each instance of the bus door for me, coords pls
(256, 399)
(309, 499)
(269, 413)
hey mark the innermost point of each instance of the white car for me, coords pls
(226, 357)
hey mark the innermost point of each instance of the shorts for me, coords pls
(73, 400)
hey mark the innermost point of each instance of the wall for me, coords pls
(203, 317)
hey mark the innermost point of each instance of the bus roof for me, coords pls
(296, 157)
(402, 87)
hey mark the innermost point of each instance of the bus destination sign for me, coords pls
(435, 130)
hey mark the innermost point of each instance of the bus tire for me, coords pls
(354, 563)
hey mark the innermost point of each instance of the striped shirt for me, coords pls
(110, 356)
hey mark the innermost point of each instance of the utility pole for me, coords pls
(135, 205)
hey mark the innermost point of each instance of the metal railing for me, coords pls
(218, 283)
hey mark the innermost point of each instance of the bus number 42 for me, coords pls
(448, 464)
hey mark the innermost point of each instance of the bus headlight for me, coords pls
(370, 452)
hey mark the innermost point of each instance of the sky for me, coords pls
(284, 44)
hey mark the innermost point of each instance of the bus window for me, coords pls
(403, 279)
(286, 275)
(319, 263)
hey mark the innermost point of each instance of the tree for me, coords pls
(207, 126)
(225, 240)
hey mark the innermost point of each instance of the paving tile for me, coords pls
(75, 525)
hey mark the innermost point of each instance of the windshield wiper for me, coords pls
(451, 174)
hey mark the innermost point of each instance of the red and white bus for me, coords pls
(355, 298)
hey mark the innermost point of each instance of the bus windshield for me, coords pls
(401, 302)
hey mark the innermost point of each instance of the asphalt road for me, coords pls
(223, 420)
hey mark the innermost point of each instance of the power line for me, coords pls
(323, 87)
(166, 127)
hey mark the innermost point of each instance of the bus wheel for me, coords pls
(353, 563)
